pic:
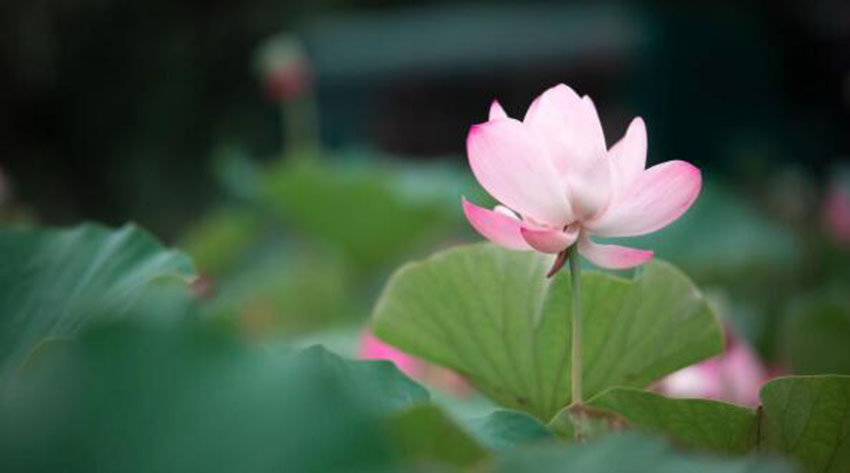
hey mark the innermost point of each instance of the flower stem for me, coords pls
(575, 276)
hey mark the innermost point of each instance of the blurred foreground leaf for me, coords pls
(492, 315)
(125, 398)
(628, 453)
(504, 429)
(52, 282)
(426, 436)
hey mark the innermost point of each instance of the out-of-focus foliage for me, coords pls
(425, 433)
(817, 334)
(125, 398)
(304, 240)
(505, 429)
(53, 282)
(492, 315)
(629, 453)
(164, 388)
(723, 236)
(369, 214)
(283, 292)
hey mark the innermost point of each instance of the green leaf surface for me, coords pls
(52, 282)
(808, 417)
(817, 334)
(627, 453)
(505, 429)
(491, 314)
(425, 435)
(360, 210)
(126, 398)
(696, 423)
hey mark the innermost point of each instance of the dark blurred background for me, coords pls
(112, 110)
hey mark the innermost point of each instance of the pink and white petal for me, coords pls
(514, 167)
(506, 211)
(660, 195)
(570, 127)
(495, 226)
(612, 256)
(496, 111)
(590, 190)
(548, 241)
(628, 156)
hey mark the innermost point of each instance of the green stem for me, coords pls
(575, 373)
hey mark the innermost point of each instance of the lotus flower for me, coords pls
(560, 185)
(734, 376)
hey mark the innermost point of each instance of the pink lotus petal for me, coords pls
(628, 156)
(734, 376)
(372, 348)
(496, 111)
(660, 195)
(569, 125)
(496, 226)
(570, 129)
(591, 189)
(549, 241)
(612, 256)
(515, 168)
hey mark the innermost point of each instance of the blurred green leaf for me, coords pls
(628, 453)
(817, 334)
(220, 239)
(723, 223)
(361, 211)
(504, 429)
(126, 398)
(285, 292)
(492, 315)
(52, 282)
(808, 417)
(696, 423)
(425, 435)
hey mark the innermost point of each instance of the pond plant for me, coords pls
(110, 359)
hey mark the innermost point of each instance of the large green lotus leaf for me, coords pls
(128, 398)
(808, 417)
(491, 314)
(697, 423)
(628, 453)
(53, 281)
